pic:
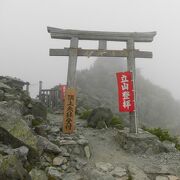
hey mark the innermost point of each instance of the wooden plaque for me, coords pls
(69, 111)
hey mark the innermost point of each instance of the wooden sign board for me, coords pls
(69, 111)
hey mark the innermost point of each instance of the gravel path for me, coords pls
(104, 148)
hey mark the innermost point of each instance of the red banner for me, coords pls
(125, 91)
(62, 91)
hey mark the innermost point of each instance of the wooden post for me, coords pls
(40, 89)
(131, 67)
(27, 88)
(71, 79)
(69, 116)
(102, 45)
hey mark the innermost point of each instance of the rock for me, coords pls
(28, 118)
(21, 152)
(55, 130)
(58, 161)
(15, 131)
(67, 142)
(38, 110)
(82, 142)
(46, 158)
(100, 118)
(41, 130)
(104, 167)
(97, 175)
(37, 174)
(1, 95)
(11, 168)
(11, 108)
(80, 161)
(71, 170)
(6, 150)
(159, 169)
(169, 146)
(15, 83)
(64, 167)
(87, 152)
(119, 172)
(4, 87)
(76, 151)
(141, 143)
(9, 97)
(161, 178)
(171, 177)
(73, 176)
(101, 125)
(53, 173)
(137, 173)
(45, 145)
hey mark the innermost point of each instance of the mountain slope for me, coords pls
(98, 87)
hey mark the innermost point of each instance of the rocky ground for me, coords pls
(32, 147)
(108, 160)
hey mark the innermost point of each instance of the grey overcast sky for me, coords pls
(24, 41)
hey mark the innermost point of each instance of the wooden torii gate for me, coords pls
(130, 53)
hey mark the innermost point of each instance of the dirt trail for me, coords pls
(104, 148)
(102, 143)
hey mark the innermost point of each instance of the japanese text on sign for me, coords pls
(69, 111)
(125, 92)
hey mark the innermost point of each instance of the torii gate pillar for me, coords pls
(71, 77)
(131, 68)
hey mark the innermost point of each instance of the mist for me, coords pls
(25, 43)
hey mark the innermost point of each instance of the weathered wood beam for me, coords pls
(102, 45)
(43, 90)
(100, 53)
(71, 78)
(57, 33)
(131, 67)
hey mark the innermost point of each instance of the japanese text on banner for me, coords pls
(125, 92)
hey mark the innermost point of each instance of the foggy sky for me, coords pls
(25, 43)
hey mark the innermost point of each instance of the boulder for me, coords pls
(46, 146)
(162, 178)
(4, 87)
(21, 153)
(100, 118)
(15, 131)
(104, 167)
(58, 161)
(1, 95)
(12, 168)
(87, 152)
(136, 173)
(39, 110)
(9, 97)
(141, 143)
(119, 172)
(6, 150)
(73, 176)
(97, 175)
(53, 173)
(37, 174)
(29, 118)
